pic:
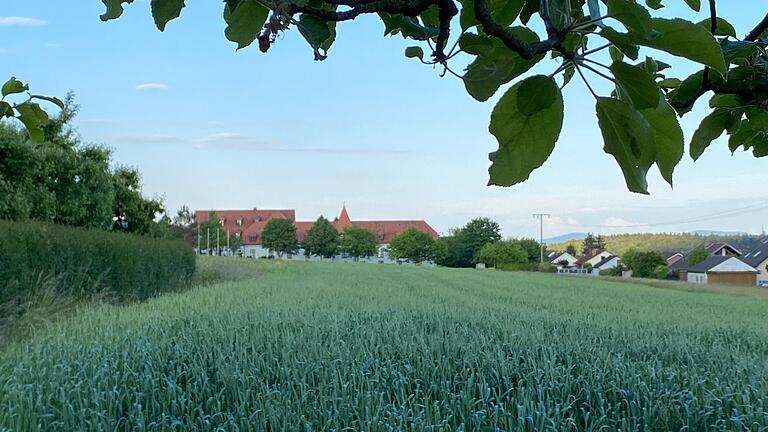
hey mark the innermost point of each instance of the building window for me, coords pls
(252, 239)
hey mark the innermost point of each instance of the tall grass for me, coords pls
(332, 347)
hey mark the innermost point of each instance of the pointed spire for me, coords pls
(343, 219)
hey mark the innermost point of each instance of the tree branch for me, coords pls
(510, 40)
(409, 8)
(713, 30)
(758, 30)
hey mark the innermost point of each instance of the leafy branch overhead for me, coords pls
(28, 112)
(588, 39)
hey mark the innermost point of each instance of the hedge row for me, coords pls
(84, 262)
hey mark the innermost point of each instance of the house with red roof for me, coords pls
(249, 224)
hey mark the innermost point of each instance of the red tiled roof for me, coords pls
(255, 220)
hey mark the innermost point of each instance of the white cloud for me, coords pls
(144, 138)
(152, 86)
(21, 21)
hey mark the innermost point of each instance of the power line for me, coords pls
(714, 216)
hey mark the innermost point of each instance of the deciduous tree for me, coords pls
(358, 242)
(322, 239)
(412, 245)
(279, 236)
(588, 39)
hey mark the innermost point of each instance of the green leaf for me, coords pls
(467, 16)
(489, 71)
(736, 50)
(757, 118)
(743, 137)
(711, 127)
(686, 39)
(536, 94)
(724, 28)
(317, 33)
(245, 22)
(408, 27)
(114, 9)
(530, 8)
(560, 13)
(5, 109)
(631, 14)
(431, 16)
(506, 11)
(622, 41)
(694, 4)
(629, 138)
(526, 139)
(725, 101)
(668, 136)
(760, 146)
(415, 51)
(654, 4)
(687, 89)
(166, 10)
(13, 86)
(54, 100)
(476, 44)
(638, 84)
(33, 117)
(615, 53)
(670, 83)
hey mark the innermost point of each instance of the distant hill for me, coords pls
(566, 237)
(678, 242)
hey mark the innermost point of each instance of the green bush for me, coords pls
(86, 262)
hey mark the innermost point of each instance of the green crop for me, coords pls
(361, 347)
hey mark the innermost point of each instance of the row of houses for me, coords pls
(592, 263)
(249, 224)
(725, 264)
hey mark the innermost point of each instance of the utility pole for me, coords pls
(198, 239)
(540, 217)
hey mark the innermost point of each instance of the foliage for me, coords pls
(502, 253)
(59, 179)
(413, 245)
(638, 119)
(279, 236)
(125, 266)
(697, 256)
(371, 347)
(645, 264)
(358, 242)
(28, 112)
(462, 244)
(592, 242)
(532, 249)
(322, 239)
(616, 271)
(571, 249)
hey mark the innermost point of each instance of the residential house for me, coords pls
(249, 224)
(721, 249)
(594, 257)
(757, 257)
(607, 263)
(722, 269)
(561, 259)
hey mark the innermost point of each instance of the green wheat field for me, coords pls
(362, 347)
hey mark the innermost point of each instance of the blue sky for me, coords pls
(214, 128)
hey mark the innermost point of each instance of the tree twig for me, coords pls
(758, 30)
(713, 30)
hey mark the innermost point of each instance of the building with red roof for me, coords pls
(249, 224)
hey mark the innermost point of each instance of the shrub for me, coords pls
(85, 262)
